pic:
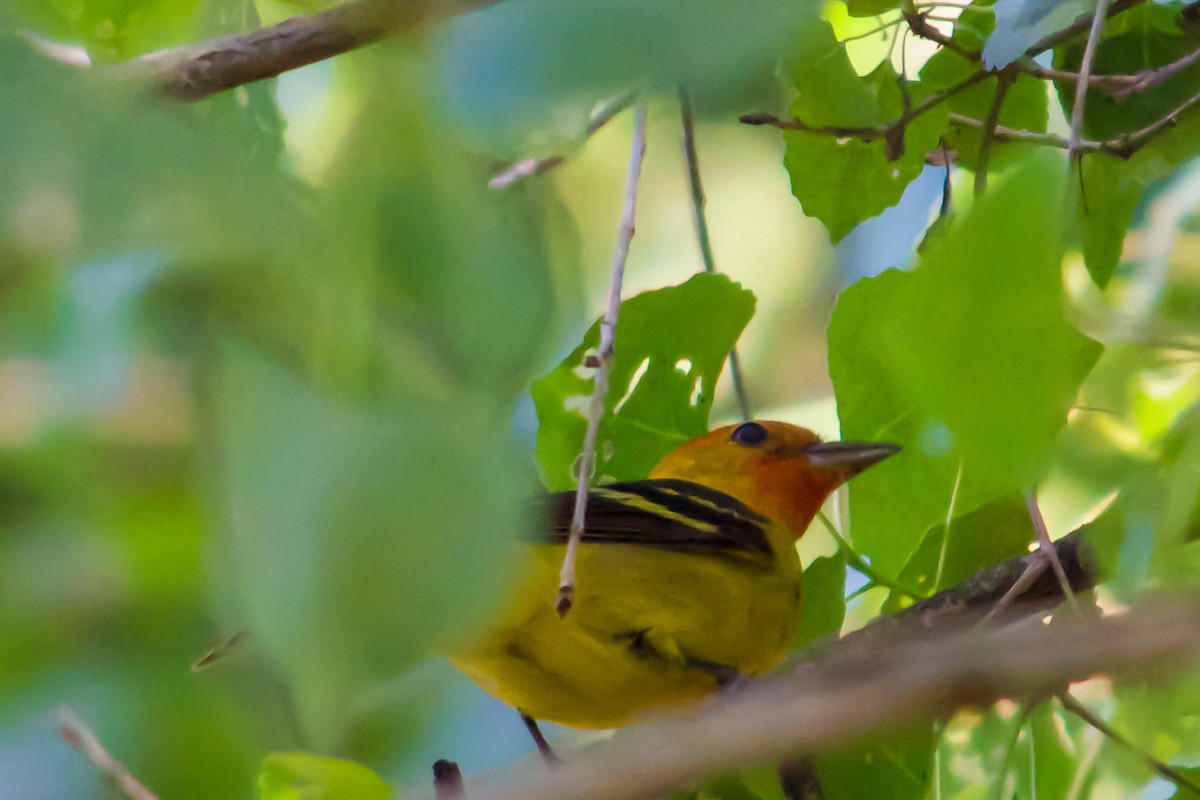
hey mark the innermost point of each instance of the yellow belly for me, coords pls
(584, 669)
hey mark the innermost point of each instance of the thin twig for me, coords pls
(892, 133)
(1046, 547)
(1085, 74)
(1162, 770)
(918, 23)
(608, 327)
(528, 167)
(76, 733)
(1123, 145)
(1152, 77)
(842, 699)
(195, 71)
(700, 220)
(1033, 570)
(1003, 82)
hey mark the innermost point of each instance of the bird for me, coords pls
(688, 580)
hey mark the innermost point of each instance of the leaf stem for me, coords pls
(859, 564)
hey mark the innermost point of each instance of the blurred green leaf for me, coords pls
(823, 599)
(948, 554)
(1045, 757)
(870, 8)
(939, 359)
(843, 180)
(894, 768)
(303, 776)
(362, 535)
(660, 384)
(469, 273)
(1106, 196)
(514, 66)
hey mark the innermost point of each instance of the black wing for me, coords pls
(671, 514)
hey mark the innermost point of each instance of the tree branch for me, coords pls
(1085, 73)
(195, 71)
(837, 701)
(528, 167)
(76, 733)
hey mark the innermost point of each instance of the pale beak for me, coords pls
(848, 458)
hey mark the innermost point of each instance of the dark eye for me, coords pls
(749, 434)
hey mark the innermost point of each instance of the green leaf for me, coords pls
(948, 554)
(1020, 23)
(661, 380)
(939, 360)
(871, 8)
(1044, 758)
(303, 776)
(363, 535)
(894, 768)
(823, 599)
(843, 180)
(1025, 107)
(1106, 195)
(513, 67)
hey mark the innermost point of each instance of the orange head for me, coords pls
(777, 469)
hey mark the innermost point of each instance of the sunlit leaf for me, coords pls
(361, 535)
(660, 385)
(303, 776)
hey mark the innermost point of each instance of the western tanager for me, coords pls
(685, 580)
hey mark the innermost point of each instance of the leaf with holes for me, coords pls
(845, 180)
(670, 346)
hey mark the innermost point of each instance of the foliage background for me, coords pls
(264, 363)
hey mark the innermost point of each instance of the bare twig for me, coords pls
(700, 220)
(608, 326)
(447, 780)
(1085, 74)
(1163, 770)
(834, 702)
(1124, 145)
(892, 133)
(1152, 77)
(195, 71)
(1003, 82)
(528, 167)
(77, 734)
(918, 23)
(1046, 547)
